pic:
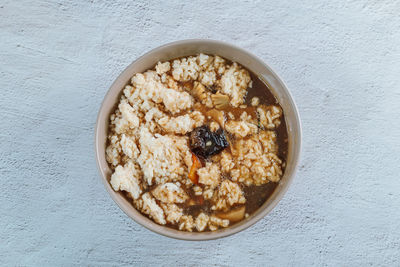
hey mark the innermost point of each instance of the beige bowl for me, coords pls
(186, 48)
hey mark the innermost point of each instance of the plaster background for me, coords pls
(340, 59)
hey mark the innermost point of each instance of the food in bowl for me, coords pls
(197, 143)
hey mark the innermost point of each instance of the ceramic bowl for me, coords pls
(182, 49)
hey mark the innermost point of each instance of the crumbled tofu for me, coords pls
(129, 147)
(204, 60)
(234, 82)
(241, 129)
(170, 193)
(209, 175)
(151, 208)
(226, 161)
(161, 156)
(185, 69)
(208, 193)
(255, 160)
(229, 193)
(268, 141)
(219, 65)
(162, 68)
(175, 101)
(151, 88)
(127, 178)
(113, 150)
(255, 101)
(128, 119)
(201, 222)
(269, 116)
(182, 124)
(207, 75)
(172, 212)
(186, 223)
(215, 222)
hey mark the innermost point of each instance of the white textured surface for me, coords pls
(341, 61)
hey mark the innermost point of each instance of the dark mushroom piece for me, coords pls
(205, 143)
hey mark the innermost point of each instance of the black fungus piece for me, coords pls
(205, 143)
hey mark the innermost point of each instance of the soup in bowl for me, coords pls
(197, 140)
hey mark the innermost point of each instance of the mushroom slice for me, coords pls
(199, 91)
(220, 101)
(217, 115)
(234, 215)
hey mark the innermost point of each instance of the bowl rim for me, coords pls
(202, 236)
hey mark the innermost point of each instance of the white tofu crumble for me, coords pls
(151, 208)
(170, 193)
(127, 178)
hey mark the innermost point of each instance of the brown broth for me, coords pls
(257, 195)
(260, 89)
